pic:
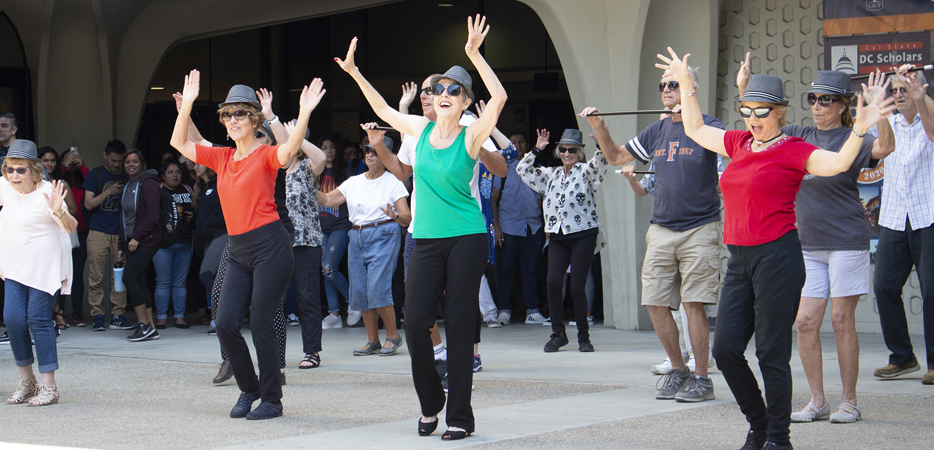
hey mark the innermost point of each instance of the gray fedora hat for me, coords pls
(387, 141)
(241, 94)
(460, 76)
(831, 82)
(572, 136)
(23, 149)
(764, 88)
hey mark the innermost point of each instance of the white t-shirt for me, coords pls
(407, 157)
(366, 197)
(34, 250)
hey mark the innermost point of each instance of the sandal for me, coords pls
(47, 394)
(811, 413)
(850, 414)
(387, 351)
(368, 349)
(60, 321)
(26, 390)
(312, 359)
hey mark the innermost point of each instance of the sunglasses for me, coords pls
(761, 112)
(426, 91)
(19, 170)
(369, 150)
(672, 86)
(454, 90)
(823, 100)
(571, 150)
(894, 91)
(239, 114)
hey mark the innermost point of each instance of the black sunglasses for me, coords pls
(895, 90)
(454, 90)
(19, 170)
(369, 150)
(823, 100)
(426, 91)
(239, 114)
(672, 86)
(571, 150)
(761, 112)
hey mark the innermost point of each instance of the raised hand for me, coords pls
(742, 76)
(348, 63)
(481, 105)
(595, 121)
(916, 90)
(677, 66)
(289, 126)
(476, 33)
(409, 92)
(192, 86)
(876, 87)
(868, 115)
(178, 101)
(311, 94)
(265, 99)
(57, 198)
(543, 139)
(373, 134)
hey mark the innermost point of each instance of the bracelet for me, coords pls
(62, 214)
(689, 94)
(859, 135)
(274, 120)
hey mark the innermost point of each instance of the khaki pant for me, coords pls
(100, 246)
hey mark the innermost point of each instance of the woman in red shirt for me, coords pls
(260, 249)
(765, 272)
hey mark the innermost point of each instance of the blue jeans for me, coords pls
(171, 273)
(371, 261)
(523, 250)
(333, 248)
(26, 309)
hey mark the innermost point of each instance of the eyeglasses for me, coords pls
(19, 170)
(239, 114)
(571, 150)
(672, 86)
(426, 91)
(761, 112)
(454, 90)
(896, 90)
(823, 100)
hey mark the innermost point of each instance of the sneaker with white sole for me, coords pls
(696, 389)
(5, 338)
(535, 318)
(672, 384)
(143, 332)
(353, 317)
(573, 323)
(332, 321)
(293, 320)
(711, 363)
(493, 322)
(477, 364)
(663, 368)
(504, 317)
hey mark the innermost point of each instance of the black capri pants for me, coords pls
(258, 273)
(135, 274)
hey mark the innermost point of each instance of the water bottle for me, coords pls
(118, 277)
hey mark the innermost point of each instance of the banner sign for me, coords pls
(885, 52)
(848, 17)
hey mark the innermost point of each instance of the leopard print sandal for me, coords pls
(26, 390)
(47, 394)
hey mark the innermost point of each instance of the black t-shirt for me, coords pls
(182, 197)
(333, 218)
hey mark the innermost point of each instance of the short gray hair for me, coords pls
(691, 70)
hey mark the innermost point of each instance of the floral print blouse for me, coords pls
(301, 190)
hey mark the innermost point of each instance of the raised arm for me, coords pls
(480, 130)
(884, 145)
(409, 92)
(824, 163)
(742, 75)
(501, 140)
(707, 136)
(276, 125)
(616, 154)
(918, 94)
(311, 96)
(180, 140)
(193, 134)
(316, 157)
(56, 204)
(405, 123)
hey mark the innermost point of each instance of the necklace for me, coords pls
(768, 140)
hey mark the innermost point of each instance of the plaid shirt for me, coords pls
(908, 189)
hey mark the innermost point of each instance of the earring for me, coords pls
(228, 137)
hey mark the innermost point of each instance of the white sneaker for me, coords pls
(573, 323)
(293, 320)
(353, 317)
(711, 363)
(504, 318)
(536, 318)
(663, 368)
(331, 321)
(493, 322)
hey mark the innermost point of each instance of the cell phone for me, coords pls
(74, 150)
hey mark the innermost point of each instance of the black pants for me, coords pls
(760, 295)
(578, 252)
(79, 257)
(521, 251)
(258, 272)
(306, 284)
(452, 266)
(897, 253)
(135, 274)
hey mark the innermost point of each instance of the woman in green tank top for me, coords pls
(451, 244)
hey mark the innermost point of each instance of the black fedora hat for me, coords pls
(572, 136)
(241, 94)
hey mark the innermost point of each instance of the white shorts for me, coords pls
(837, 273)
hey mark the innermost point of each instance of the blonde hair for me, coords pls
(35, 167)
(256, 114)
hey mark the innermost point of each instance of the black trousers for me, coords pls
(452, 266)
(258, 272)
(897, 252)
(760, 295)
(79, 257)
(306, 284)
(135, 274)
(578, 253)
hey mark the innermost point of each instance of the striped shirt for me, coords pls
(908, 189)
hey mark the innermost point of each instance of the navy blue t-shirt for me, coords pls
(106, 217)
(686, 177)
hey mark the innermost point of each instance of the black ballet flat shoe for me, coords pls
(426, 428)
(265, 411)
(454, 435)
